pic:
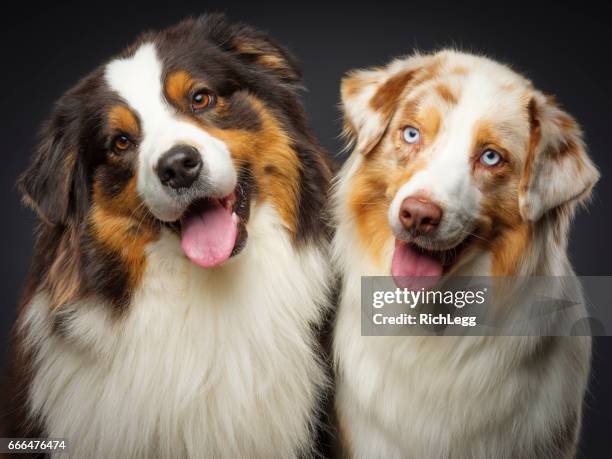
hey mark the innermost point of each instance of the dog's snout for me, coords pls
(180, 166)
(419, 215)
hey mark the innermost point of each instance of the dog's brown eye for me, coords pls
(121, 143)
(201, 100)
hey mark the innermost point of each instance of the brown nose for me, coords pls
(419, 215)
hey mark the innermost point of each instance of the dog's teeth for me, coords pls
(235, 217)
(229, 202)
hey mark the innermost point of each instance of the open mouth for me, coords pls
(214, 229)
(416, 267)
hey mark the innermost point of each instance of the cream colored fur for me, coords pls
(456, 397)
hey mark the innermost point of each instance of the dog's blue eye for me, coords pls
(490, 158)
(411, 135)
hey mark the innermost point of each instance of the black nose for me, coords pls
(179, 167)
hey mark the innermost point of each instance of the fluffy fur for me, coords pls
(457, 397)
(125, 347)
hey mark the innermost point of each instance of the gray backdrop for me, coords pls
(565, 50)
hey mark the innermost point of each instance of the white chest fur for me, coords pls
(206, 363)
(460, 397)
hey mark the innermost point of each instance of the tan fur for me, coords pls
(386, 96)
(63, 278)
(268, 57)
(178, 85)
(121, 118)
(446, 93)
(122, 224)
(373, 187)
(276, 165)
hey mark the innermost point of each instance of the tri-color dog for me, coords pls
(180, 268)
(460, 167)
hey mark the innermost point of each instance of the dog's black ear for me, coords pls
(558, 170)
(253, 47)
(55, 183)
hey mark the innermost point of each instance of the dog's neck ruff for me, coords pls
(206, 362)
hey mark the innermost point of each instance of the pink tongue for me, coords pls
(208, 237)
(412, 269)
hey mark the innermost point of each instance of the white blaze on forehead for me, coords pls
(139, 81)
(447, 175)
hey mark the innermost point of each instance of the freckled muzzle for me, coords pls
(419, 215)
(417, 232)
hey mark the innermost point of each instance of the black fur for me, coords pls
(75, 144)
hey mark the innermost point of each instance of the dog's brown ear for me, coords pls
(253, 47)
(370, 97)
(54, 184)
(557, 170)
